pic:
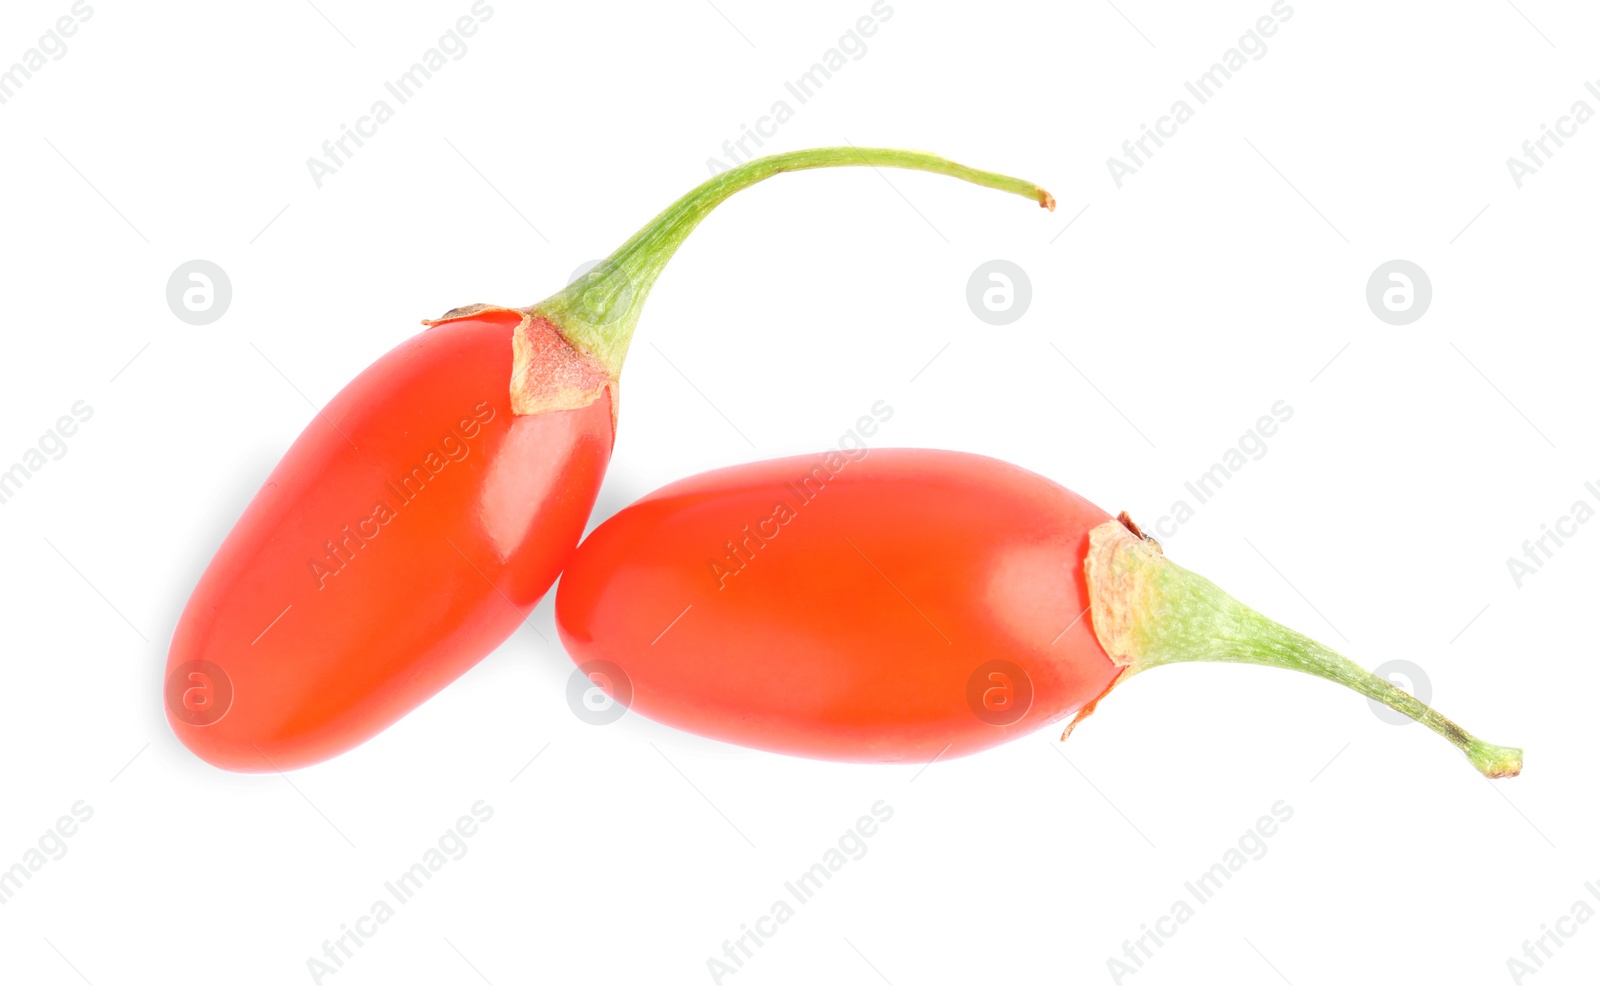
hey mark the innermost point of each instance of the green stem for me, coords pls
(598, 312)
(1148, 612)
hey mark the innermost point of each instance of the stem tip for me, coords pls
(1494, 761)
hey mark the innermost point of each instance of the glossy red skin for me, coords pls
(439, 585)
(856, 631)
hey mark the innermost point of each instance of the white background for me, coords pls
(1227, 274)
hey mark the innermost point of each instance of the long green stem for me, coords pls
(1148, 612)
(598, 311)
